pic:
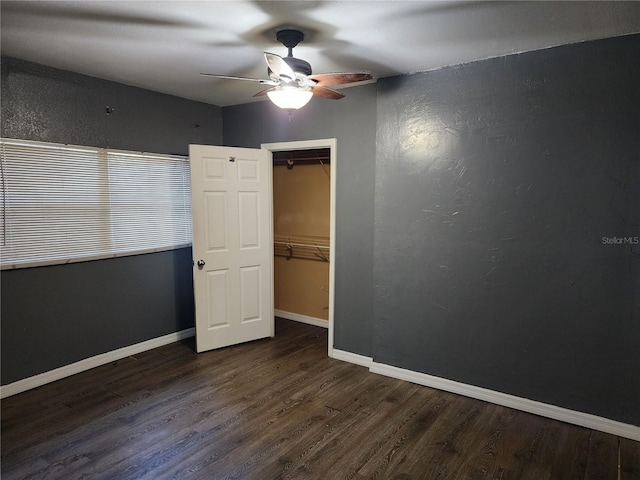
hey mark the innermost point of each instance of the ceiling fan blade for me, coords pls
(325, 92)
(262, 93)
(278, 66)
(231, 77)
(328, 79)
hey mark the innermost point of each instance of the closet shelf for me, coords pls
(304, 247)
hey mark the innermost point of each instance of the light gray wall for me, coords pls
(351, 121)
(495, 183)
(53, 316)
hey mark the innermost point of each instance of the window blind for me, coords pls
(63, 203)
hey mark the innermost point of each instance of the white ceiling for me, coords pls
(164, 45)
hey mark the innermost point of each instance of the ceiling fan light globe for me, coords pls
(290, 98)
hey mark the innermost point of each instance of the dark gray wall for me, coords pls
(53, 316)
(495, 183)
(50, 105)
(352, 122)
(57, 315)
(478, 256)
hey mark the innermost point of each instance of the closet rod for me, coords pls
(315, 157)
(300, 245)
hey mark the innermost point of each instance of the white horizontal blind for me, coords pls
(62, 204)
(150, 201)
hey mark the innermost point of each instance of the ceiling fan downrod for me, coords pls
(290, 38)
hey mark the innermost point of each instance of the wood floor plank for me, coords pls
(429, 446)
(603, 456)
(172, 421)
(346, 443)
(629, 459)
(273, 413)
(281, 409)
(406, 440)
(237, 408)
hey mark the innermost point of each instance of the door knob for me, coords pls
(200, 263)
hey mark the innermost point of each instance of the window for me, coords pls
(61, 203)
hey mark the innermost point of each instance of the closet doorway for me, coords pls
(303, 231)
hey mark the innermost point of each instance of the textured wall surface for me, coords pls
(53, 316)
(352, 122)
(50, 105)
(57, 315)
(496, 182)
(469, 232)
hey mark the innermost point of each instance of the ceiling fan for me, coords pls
(291, 82)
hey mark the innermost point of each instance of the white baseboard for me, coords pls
(543, 409)
(531, 406)
(91, 362)
(352, 358)
(318, 322)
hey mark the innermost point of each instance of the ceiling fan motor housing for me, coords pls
(298, 65)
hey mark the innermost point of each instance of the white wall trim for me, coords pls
(331, 144)
(91, 362)
(352, 358)
(318, 322)
(543, 409)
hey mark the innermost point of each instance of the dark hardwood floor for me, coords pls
(280, 408)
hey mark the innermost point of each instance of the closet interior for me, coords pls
(301, 215)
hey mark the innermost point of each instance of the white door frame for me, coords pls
(329, 143)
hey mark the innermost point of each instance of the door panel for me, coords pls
(218, 289)
(250, 293)
(249, 219)
(248, 170)
(232, 235)
(216, 207)
(214, 168)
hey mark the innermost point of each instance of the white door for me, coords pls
(232, 245)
